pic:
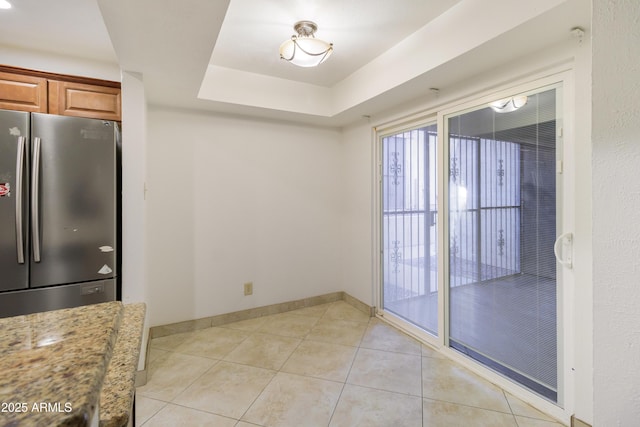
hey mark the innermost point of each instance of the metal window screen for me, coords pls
(409, 254)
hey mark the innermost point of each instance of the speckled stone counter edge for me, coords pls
(116, 398)
(71, 369)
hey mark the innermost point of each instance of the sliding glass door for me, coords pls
(501, 229)
(475, 269)
(409, 233)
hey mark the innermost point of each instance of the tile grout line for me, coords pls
(256, 331)
(155, 413)
(344, 384)
(171, 402)
(254, 400)
(277, 371)
(192, 382)
(199, 410)
(303, 338)
(251, 333)
(515, 420)
(217, 361)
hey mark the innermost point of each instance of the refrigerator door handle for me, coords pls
(35, 197)
(19, 193)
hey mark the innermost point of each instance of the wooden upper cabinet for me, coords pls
(84, 100)
(23, 93)
(43, 92)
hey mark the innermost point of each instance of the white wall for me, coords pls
(616, 203)
(134, 140)
(54, 63)
(356, 247)
(234, 200)
(134, 163)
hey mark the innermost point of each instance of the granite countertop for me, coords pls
(54, 364)
(116, 398)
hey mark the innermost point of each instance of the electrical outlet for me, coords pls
(248, 288)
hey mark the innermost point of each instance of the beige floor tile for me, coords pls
(428, 351)
(214, 343)
(342, 311)
(171, 373)
(345, 332)
(381, 336)
(288, 325)
(292, 400)
(317, 348)
(518, 407)
(264, 351)
(445, 380)
(533, 422)
(155, 353)
(366, 407)
(384, 370)
(249, 325)
(177, 416)
(438, 413)
(313, 311)
(226, 389)
(170, 342)
(321, 360)
(146, 408)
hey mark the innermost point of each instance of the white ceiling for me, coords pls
(222, 55)
(66, 27)
(360, 30)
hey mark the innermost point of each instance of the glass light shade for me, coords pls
(305, 51)
(508, 105)
(4, 4)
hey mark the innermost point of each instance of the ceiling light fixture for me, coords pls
(508, 105)
(304, 49)
(4, 4)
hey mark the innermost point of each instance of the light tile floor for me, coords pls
(327, 365)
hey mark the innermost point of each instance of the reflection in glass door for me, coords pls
(502, 227)
(409, 218)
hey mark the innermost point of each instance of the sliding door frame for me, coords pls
(379, 133)
(562, 79)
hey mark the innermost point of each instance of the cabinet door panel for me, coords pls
(84, 100)
(23, 93)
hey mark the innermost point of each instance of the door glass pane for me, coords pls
(409, 258)
(502, 227)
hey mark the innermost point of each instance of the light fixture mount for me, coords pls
(304, 49)
(305, 28)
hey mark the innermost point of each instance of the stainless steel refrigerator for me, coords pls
(58, 212)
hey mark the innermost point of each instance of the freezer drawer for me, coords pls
(29, 301)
